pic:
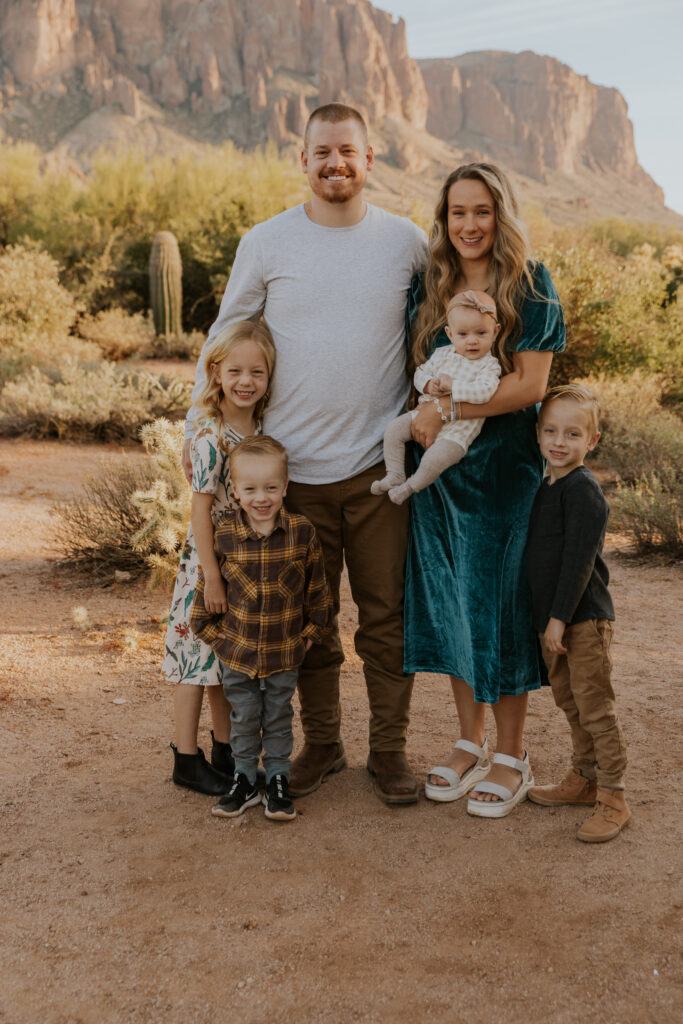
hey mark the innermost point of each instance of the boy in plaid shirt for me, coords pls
(278, 605)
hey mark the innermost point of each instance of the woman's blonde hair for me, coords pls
(211, 395)
(509, 273)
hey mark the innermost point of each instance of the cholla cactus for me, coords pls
(165, 283)
(165, 506)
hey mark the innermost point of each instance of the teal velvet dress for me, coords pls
(467, 606)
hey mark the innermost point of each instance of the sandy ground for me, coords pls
(123, 900)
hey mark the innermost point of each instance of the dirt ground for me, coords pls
(123, 900)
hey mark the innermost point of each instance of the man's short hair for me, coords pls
(260, 444)
(333, 113)
(575, 393)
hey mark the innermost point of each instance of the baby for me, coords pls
(467, 372)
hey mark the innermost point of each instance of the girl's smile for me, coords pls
(243, 377)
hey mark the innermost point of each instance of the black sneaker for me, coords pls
(278, 805)
(241, 796)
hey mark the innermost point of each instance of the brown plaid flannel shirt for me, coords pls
(277, 595)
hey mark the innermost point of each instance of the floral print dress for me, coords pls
(187, 659)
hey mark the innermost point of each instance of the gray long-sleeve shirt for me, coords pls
(334, 300)
(567, 576)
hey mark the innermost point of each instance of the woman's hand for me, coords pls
(215, 600)
(428, 423)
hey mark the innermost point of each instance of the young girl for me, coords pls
(239, 364)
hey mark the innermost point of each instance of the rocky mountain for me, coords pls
(78, 73)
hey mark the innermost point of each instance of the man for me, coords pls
(330, 279)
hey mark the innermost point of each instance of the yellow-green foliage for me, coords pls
(35, 313)
(100, 229)
(621, 314)
(165, 505)
(643, 442)
(99, 402)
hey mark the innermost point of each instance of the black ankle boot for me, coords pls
(221, 756)
(194, 772)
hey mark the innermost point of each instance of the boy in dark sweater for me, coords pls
(573, 611)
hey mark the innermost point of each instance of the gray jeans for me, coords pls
(261, 716)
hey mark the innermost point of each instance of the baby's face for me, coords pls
(472, 333)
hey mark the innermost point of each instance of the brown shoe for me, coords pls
(314, 763)
(574, 789)
(395, 782)
(607, 820)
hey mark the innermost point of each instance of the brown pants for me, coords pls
(371, 534)
(582, 688)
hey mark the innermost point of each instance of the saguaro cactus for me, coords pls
(165, 283)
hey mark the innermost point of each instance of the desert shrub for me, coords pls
(117, 334)
(36, 313)
(643, 442)
(132, 517)
(176, 346)
(165, 505)
(98, 402)
(94, 533)
(639, 436)
(650, 510)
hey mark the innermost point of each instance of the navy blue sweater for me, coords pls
(566, 573)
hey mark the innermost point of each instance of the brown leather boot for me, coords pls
(395, 782)
(574, 789)
(607, 820)
(314, 763)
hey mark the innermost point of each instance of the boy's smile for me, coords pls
(564, 436)
(260, 484)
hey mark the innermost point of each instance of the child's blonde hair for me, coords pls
(260, 444)
(575, 393)
(211, 395)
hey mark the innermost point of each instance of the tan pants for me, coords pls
(582, 688)
(371, 534)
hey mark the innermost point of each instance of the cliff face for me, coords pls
(210, 56)
(251, 70)
(535, 113)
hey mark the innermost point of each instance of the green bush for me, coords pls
(643, 443)
(99, 402)
(36, 313)
(650, 511)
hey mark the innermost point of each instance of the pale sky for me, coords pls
(633, 45)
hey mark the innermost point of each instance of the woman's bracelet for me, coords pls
(456, 411)
(439, 407)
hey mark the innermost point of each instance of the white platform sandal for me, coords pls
(457, 785)
(508, 800)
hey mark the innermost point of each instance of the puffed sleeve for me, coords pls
(207, 458)
(542, 317)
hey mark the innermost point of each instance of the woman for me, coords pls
(468, 611)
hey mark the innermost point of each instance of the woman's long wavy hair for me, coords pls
(211, 395)
(510, 266)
